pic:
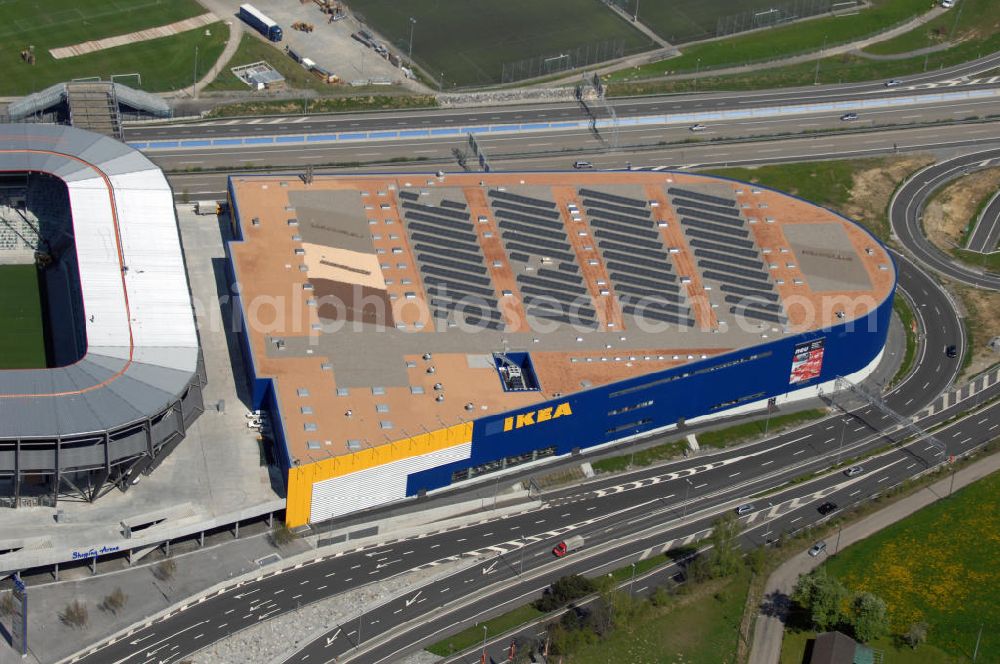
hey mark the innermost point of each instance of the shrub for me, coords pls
(115, 601)
(165, 570)
(75, 615)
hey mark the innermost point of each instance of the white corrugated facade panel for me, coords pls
(376, 486)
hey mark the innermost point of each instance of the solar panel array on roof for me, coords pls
(452, 266)
(535, 210)
(705, 207)
(708, 216)
(714, 228)
(458, 205)
(726, 254)
(526, 200)
(687, 193)
(409, 195)
(614, 198)
(529, 229)
(637, 262)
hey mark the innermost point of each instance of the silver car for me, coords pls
(744, 509)
(854, 470)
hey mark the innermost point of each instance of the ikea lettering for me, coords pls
(536, 416)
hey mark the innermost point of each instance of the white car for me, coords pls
(947, 4)
(698, 127)
(817, 548)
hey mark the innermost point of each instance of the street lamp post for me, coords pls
(194, 78)
(840, 447)
(409, 57)
(635, 17)
(485, 629)
(687, 492)
(632, 582)
(767, 534)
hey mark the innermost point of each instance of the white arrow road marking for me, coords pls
(331, 639)
(489, 570)
(167, 638)
(136, 641)
(249, 592)
(414, 598)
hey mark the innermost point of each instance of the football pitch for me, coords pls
(164, 64)
(22, 338)
(468, 42)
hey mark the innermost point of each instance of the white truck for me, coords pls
(567, 545)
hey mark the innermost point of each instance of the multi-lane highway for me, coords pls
(906, 211)
(972, 74)
(607, 511)
(628, 515)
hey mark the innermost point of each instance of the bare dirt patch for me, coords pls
(949, 215)
(872, 188)
(983, 323)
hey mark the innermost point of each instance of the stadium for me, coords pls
(119, 378)
(409, 333)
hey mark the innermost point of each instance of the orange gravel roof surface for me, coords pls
(376, 302)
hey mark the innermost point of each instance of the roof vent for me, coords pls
(439, 398)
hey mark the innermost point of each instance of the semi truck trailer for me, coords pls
(261, 23)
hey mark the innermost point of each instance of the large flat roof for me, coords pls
(142, 346)
(378, 303)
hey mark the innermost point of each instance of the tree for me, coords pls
(724, 557)
(822, 597)
(916, 635)
(282, 535)
(868, 617)
(757, 560)
(115, 601)
(75, 614)
(564, 590)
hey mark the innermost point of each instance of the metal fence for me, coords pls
(777, 14)
(552, 63)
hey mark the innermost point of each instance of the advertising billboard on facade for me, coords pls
(807, 361)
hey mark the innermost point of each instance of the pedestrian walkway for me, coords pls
(770, 625)
(133, 37)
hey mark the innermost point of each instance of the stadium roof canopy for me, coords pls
(142, 346)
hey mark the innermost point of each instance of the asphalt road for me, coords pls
(610, 511)
(936, 138)
(624, 107)
(572, 144)
(986, 236)
(906, 211)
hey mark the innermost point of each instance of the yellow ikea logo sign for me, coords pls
(536, 416)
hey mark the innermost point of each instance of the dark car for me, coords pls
(826, 508)
(951, 351)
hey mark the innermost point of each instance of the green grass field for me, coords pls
(938, 566)
(468, 41)
(975, 18)
(782, 41)
(680, 21)
(22, 341)
(164, 64)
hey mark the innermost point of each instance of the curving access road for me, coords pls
(608, 512)
(986, 236)
(906, 212)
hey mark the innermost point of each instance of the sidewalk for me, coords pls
(769, 628)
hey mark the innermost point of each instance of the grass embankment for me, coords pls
(972, 17)
(719, 438)
(939, 567)
(780, 42)
(251, 50)
(351, 103)
(473, 635)
(905, 313)
(164, 64)
(697, 624)
(22, 340)
(974, 41)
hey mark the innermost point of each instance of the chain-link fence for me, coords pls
(553, 63)
(770, 16)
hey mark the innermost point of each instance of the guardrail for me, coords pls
(645, 120)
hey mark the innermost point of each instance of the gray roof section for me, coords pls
(104, 390)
